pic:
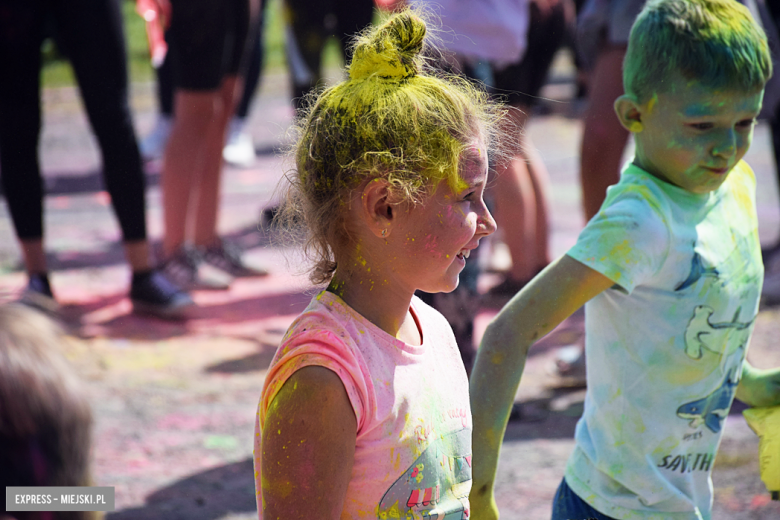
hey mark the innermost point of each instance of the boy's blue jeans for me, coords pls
(568, 506)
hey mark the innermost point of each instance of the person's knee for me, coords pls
(197, 109)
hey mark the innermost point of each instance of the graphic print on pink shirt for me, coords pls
(434, 495)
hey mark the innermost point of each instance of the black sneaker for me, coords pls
(153, 294)
(38, 294)
(227, 257)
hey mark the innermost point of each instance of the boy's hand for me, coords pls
(483, 506)
(759, 387)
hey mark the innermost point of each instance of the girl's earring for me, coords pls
(384, 232)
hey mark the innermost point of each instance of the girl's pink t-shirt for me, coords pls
(413, 450)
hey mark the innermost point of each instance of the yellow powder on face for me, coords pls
(651, 103)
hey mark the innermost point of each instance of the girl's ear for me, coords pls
(629, 113)
(377, 208)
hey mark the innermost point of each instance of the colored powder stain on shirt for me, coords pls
(623, 251)
(743, 199)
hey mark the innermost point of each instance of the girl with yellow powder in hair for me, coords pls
(365, 409)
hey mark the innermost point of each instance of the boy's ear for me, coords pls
(377, 207)
(629, 113)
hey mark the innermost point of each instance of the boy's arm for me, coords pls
(544, 303)
(759, 387)
(307, 447)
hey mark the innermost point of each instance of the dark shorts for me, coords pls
(520, 84)
(568, 506)
(207, 41)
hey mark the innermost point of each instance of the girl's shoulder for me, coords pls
(327, 318)
(323, 335)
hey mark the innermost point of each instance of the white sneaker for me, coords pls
(153, 145)
(239, 149)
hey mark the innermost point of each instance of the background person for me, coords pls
(90, 34)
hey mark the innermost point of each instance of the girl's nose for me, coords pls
(486, 225)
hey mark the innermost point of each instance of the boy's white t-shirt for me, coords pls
(665, 345)
(413, 451)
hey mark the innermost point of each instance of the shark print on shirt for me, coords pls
(712, 409)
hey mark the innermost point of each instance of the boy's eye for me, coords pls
(469, 195)
(747, 123)
(701, 126)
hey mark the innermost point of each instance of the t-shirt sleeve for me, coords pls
(627, 241)
(325, 349)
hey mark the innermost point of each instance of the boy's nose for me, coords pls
(726, 145)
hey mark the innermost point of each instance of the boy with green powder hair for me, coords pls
(670, 274)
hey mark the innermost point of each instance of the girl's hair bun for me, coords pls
(390, 52)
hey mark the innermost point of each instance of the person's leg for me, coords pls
(253, 72)
(224, 256)
(165, 85)
(520, 196)
(93, 34)
(237, 22)
(153, 145)
(521, 187)
(206, 205)
(239, 148)
(21, 33)
(197, 51)
(20, 120)
(91, 31)
(352, 16)
(205, 101)
(184, 161)
(603, 137)
(305, 37)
